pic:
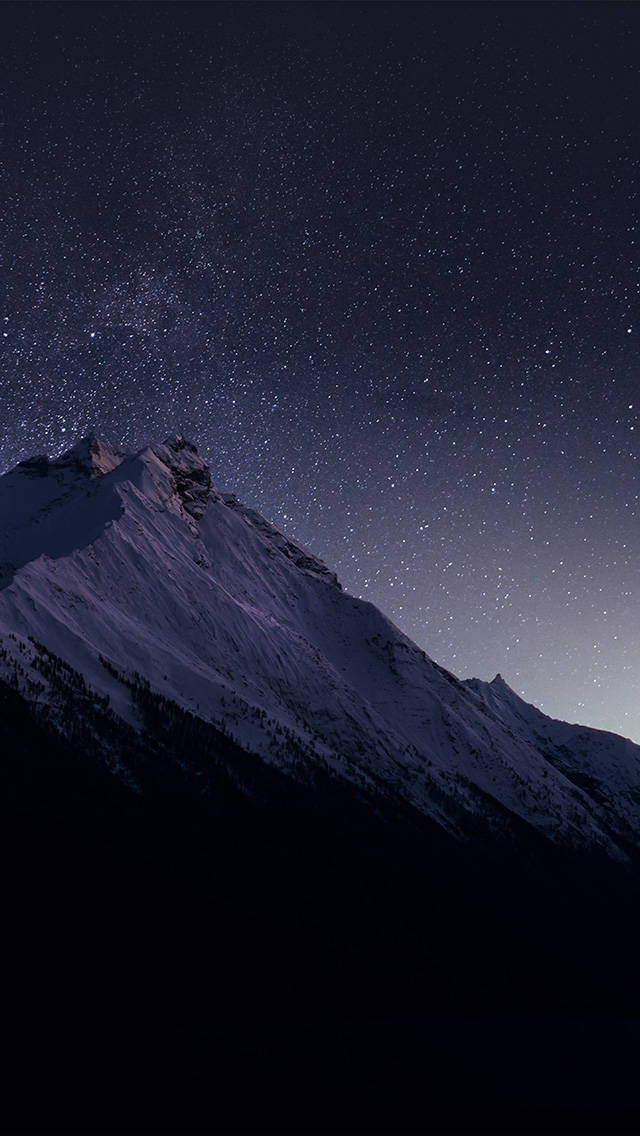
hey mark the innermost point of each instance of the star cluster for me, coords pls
(380, 262)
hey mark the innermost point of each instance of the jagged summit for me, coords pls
(497, 686)
(175, 460)
(91, 455)
(178, 442)
(499, 697)
(53, 506)
(95, 455)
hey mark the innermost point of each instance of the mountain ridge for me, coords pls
(139, 561)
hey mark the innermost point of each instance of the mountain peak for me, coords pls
(177, 442)
(189, 473)
(91, 456)
(185, 589)
(497, 692)
(497, 687)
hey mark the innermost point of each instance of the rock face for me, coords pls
(133, 568)
(191, 476)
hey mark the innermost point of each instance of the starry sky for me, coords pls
(380, 262)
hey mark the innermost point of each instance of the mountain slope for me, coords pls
(134, 565)
(253, 839)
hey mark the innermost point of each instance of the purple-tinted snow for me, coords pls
(137, 558)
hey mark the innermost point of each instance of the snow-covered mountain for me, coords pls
(133, 568)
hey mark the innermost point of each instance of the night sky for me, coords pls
(380, 262)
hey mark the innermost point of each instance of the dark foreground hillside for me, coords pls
(203, 959)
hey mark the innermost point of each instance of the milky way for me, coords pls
(380, 262)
